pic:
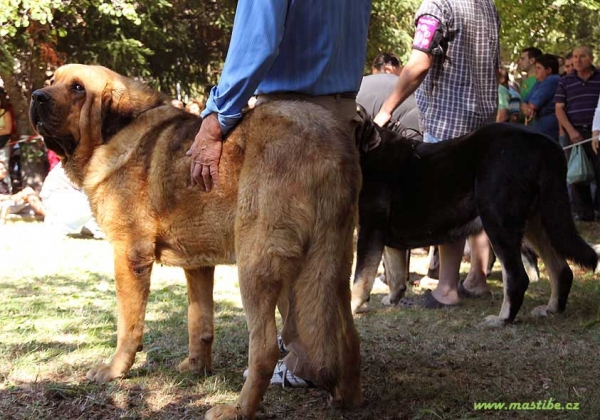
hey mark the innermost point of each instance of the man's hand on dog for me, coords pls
(206, 153)
(382, 118)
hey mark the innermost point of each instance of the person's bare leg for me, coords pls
(476, 281)
(36, 204)
(450, 257)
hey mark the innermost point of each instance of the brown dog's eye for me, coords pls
(78, 87)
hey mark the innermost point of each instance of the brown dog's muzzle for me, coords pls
(46, 123)
(38, 109)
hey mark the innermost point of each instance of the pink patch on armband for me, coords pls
(426, 27)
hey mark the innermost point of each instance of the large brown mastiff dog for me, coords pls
(284, 210)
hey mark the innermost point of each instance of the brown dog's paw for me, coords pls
(224, 412)
(103, 373)
(194, 367)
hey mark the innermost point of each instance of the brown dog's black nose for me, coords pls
(39, 96)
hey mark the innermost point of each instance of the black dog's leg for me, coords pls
(372, 233)
(530, 261)
(561, 276)
(369, 250)
(506, 242)
(396, 271)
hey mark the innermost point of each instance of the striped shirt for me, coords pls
(579, 96)
(460, 92)
(313, 47)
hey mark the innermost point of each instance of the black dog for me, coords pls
(502, 178)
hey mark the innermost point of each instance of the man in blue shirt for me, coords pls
(283, 50)
(538, 105)
(312, 48)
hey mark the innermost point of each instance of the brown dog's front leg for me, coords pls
(200, 320)
(132, 276)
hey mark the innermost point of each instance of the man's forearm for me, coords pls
(563, 119)
(405, 87)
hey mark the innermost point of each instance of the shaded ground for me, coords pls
(57, 318)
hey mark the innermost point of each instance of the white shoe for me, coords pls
(428, 283)
(284, 377)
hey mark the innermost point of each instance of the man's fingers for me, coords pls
(214, 173)
(206, 177)
(196, 175)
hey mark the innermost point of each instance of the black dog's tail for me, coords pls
(557, 220)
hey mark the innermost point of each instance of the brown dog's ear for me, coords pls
(117, 109)
(90, 119)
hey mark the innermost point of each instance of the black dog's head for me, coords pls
(367, 136)
(382, 150)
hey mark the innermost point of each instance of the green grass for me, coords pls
(57, 318)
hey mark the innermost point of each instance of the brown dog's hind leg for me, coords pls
(200, 320)
(132, 277)
(260, 278)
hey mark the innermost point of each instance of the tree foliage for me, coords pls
(554, 26)
(184, 42)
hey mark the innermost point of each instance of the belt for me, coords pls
(347, 95)
(583, 127)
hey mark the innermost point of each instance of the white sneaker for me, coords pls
(428, 283)
(284, 377)
(282, 347)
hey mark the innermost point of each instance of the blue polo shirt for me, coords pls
(542, 96)
(579, 96)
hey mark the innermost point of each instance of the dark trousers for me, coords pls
(583, 205)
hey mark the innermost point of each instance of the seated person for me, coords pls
(67, 207)
(18, 202)
(538, 105)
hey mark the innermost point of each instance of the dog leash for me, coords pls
(580, 142)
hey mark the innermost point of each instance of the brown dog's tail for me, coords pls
(556, 216)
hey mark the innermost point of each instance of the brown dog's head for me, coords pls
(83, 108)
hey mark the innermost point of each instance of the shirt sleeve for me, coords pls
(431, 26)
(257, 33)
(503, 97)
(596, 123)
(544, 93)
(560, 96)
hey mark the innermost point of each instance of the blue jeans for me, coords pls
(428, 138)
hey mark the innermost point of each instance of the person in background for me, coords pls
(374, 90)
(15, 203)
(454, 64)
(177, 104)
(67, 207)
(509, 100)
(563, 139)
(568, 64)
(596, 129)
(538, 106)
(8, 125)
(195, 106)
(387, 63)
(286, 51)
(527, 64)
(576, 101)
